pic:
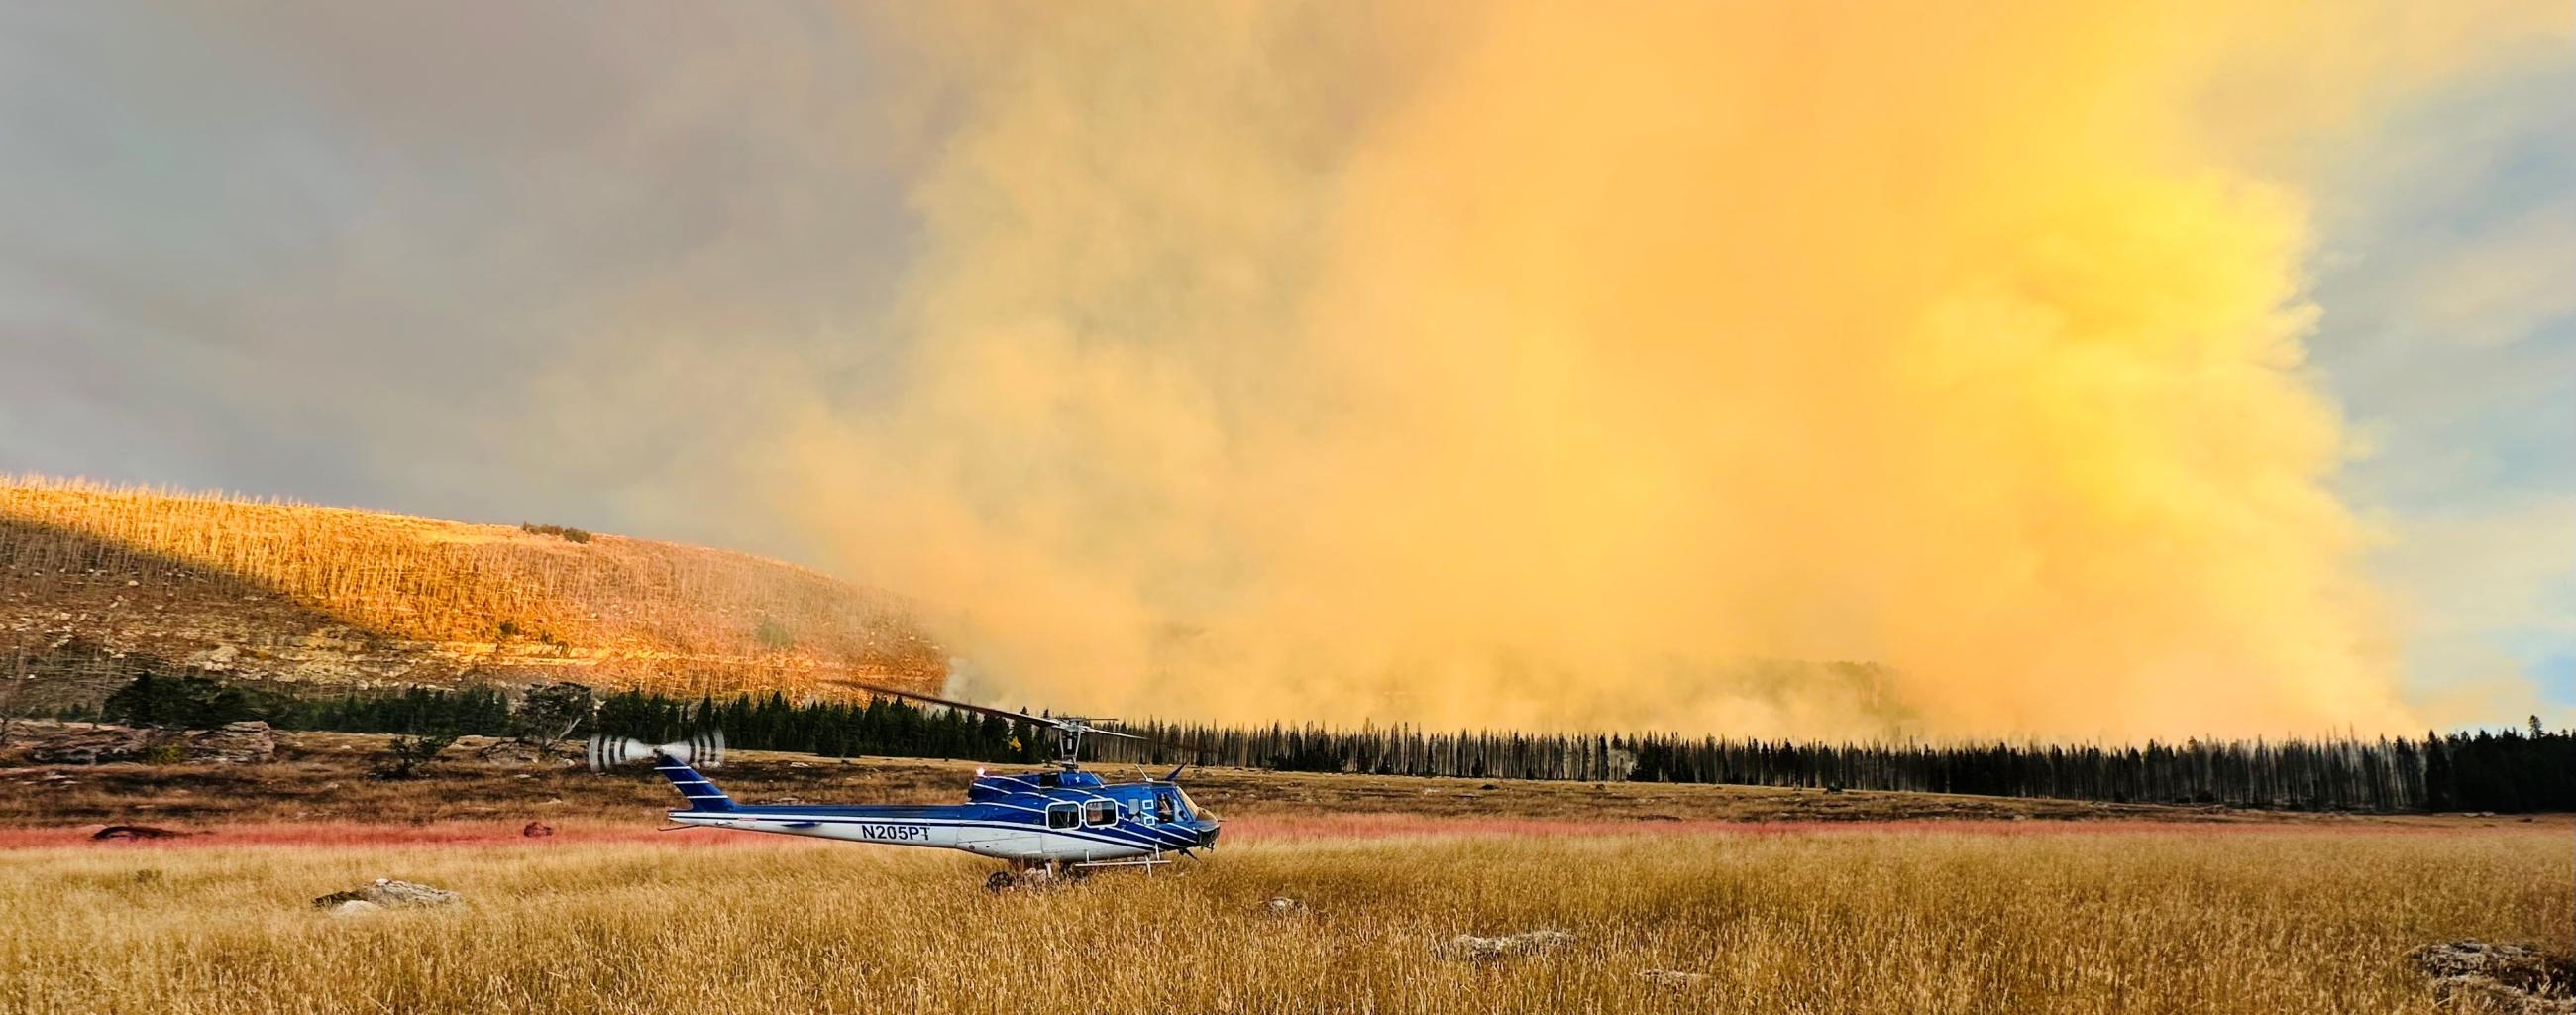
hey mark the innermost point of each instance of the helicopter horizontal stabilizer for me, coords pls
(702, 794)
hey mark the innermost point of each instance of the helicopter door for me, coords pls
(1063, 815)
(1166, 809)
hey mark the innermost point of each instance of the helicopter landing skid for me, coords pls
(1042, 873)
(1146, 862)
(1031, 874)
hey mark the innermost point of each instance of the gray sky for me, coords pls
(346, 253)
(2447, 280)
(329, 253)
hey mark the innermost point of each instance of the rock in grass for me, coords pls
(1673, 977)
(1470, 948)
(137, 832)
(2477, 976)
(388, 894)
(248, 742)
(96, 745)
(1283, 906)
(234, 743)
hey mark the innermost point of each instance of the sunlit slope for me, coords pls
(102, 581)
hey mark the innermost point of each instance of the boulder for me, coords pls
(249, 742)
(93, 746)
(1672, 977)
(390, 894)
(537, 830)
(234, 743)
(2478, 976)
(1470, 948)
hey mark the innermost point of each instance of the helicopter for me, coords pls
(1061, 821)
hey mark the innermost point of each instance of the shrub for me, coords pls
(564, 532)
(549, 713)
(403, 757)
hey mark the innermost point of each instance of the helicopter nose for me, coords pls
(1207, 836)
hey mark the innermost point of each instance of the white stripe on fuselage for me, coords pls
(981, 836)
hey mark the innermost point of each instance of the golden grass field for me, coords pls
(1785, 901)
(2064, 918)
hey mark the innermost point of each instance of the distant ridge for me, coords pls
(98, 582)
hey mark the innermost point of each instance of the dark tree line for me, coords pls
(2508, 771)
(2483, 771)
(880, 726)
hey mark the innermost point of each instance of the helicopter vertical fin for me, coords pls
(702, 794)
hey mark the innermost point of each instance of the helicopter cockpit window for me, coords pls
(1166, 808)
(1192, 806)
(1100, 812)
(1063, 815)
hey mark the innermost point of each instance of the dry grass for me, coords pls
(2271, 920)
(119, 565)
(1896, 905)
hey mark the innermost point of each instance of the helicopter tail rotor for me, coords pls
(703, 749)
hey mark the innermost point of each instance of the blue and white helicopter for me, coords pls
(1059, 821)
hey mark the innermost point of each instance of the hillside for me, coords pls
(98, 583)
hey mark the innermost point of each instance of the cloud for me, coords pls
(2511, 287)
(2459, 363)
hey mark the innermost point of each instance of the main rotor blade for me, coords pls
(1179, 745)
(1068, 722)
(950, 703)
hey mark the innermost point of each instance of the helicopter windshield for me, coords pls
(1192, 807)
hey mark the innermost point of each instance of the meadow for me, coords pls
(325, 778)
(1990, 917)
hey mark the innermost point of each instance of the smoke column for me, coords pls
(1623, 365)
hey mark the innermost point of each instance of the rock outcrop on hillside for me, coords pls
(250, 742)
(234, 743)
(91, 746)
